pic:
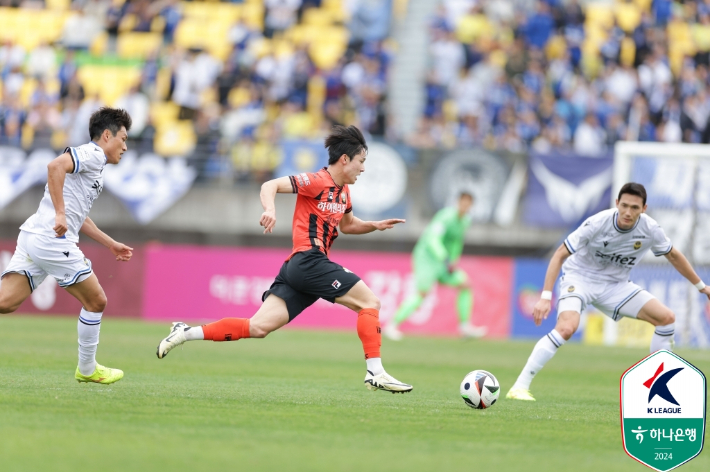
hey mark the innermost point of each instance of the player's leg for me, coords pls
(14, 289)
(546, 347)
(282, 303)
(362, 300)
(630, 300)
(20, 277)
(91, 295)
(425, 273)
(464, 303)
(663, 319)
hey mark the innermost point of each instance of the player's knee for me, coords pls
(97, 304)
(6, 307)
(667, 318)
(566, 331)
(372, 302)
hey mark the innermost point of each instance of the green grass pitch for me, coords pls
(296, 402)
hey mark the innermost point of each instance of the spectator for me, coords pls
(137, 105)
(589, 138)
(80, 30)
(41, 62)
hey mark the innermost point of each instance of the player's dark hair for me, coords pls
(108, 118)
(344, 140)
(466, 193)
(632, 188)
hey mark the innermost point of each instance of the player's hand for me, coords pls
(121, 251)
(268, 221)
(706, 291)
(542, 309)
(60, 224)
(387, 224)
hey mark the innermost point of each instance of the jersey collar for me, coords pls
(331, 177)
(616, 226)
(105, 156)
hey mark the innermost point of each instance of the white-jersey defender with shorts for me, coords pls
(39, 251)
(603, 254)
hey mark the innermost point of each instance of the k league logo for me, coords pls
(663, 405)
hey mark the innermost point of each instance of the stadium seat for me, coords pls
(317, 17)
(109, 82)
(175, 139)
(58, 4)
(600, 14)
(628, 16)
(138, 45)
(164, 114)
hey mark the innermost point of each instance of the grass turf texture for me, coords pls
(296, 401)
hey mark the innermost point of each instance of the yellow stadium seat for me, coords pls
(109, 82)
(317, 17)
(238, 96)
(57, 4)
(164, 113)
(138, 45)
(176, 139)
(253, 15)
(600, 14)
(325, 55)
(210, 12)
(98, 47)
(628, 16)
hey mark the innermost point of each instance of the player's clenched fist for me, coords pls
(60, 224)
(542, 309)
(268, 220)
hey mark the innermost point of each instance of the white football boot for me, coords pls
(174, 339)
(472, 331)
(391, 332)
(386, 382)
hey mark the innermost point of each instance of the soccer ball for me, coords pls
(480, 389)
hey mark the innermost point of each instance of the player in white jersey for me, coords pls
(47, 244)
(597, 259)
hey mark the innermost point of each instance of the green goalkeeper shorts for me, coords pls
(428, 271)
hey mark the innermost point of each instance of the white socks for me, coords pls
(374, 365)
(663, 337)
(543, 351)
(194, 333)
(88, 327)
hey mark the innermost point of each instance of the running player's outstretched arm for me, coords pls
(120, 250)
(268, 194)
(350, 224)
(681, 264)
(57, 171)
(543, 306)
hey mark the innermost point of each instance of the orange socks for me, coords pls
(368, 329)
(227, 329)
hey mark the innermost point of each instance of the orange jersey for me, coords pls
(320, 206)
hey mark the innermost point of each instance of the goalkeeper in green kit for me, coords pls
(434, 260)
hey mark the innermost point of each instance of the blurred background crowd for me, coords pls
(225, 82)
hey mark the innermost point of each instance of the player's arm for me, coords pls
(350, 224)
(681, 264)
(543, 306)
(56, 173)
(120, 250)
(268, 195)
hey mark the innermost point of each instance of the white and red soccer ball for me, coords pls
(480, 389)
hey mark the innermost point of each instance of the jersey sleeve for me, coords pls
(84, 160)
(581, 236)
(661, 244)
(306, 184)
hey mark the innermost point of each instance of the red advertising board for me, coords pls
(197, 284)
(122, 282)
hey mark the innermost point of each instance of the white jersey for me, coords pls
(604, 252)
(81, 187)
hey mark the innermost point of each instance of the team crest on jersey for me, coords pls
(637, 245)
(570, 288)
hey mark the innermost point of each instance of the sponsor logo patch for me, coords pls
(336, 285)
(637, 245)
(570, 289)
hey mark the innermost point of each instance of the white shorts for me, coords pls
(37, 256)
(614, 299)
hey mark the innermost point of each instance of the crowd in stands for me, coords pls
(222, 82)
(559, 75)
